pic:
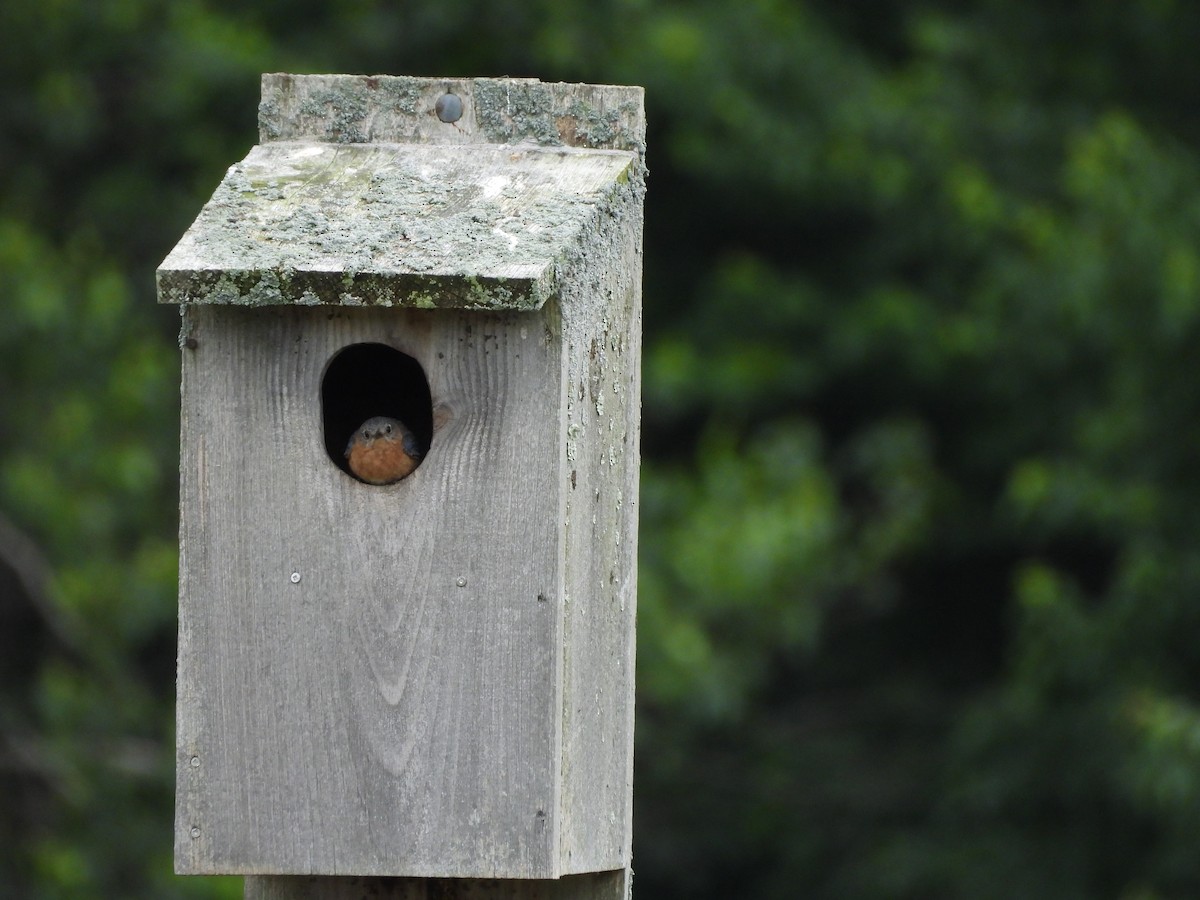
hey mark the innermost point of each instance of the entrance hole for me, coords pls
(367, 380)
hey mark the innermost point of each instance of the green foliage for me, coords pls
(919, 566)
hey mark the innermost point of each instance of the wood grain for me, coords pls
(602, 335)
(396, 711)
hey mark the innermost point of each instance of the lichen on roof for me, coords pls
(360, 195)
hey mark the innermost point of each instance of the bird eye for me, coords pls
(388, 429)
(366, 435)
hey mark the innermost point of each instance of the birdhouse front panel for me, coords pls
(368, 674)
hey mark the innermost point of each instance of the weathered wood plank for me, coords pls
(602, 338)
(592, 886)
(361, 109)
(395, 711)
(391, 225)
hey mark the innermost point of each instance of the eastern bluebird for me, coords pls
(383, 450)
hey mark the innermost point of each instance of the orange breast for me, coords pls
(380, 461)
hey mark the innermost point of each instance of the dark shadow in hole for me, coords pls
(365, 380)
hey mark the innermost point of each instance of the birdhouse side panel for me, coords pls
(369, 675)
(602, 334)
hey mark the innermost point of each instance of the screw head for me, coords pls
(295, 578)
(195, 832)
(449, 108)
(461, 581)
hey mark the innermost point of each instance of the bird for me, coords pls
(382, 451)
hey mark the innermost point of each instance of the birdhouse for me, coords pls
(411, 336)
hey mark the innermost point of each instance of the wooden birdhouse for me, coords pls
(431, 677)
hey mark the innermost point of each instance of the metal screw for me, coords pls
(461, 581)
(195, 761)
(195, 832)
(449, 108)
(295, 578)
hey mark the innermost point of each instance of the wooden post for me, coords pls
(421, 689)
(593, 886)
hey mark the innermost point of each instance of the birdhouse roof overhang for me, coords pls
(471, 225)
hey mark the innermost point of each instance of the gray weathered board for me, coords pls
(391, 225)
(432, 678)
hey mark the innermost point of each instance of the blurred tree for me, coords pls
(919, 572)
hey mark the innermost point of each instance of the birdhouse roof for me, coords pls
(361, 196)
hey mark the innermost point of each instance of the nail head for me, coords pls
(449, 108)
